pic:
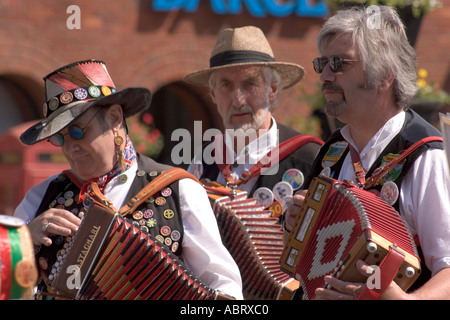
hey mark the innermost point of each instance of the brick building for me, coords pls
(155, 49)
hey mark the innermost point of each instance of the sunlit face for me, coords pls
(346, 91)
(94, 154)
(242, 97)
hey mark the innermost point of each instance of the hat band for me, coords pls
(239, 56)
(78, 94)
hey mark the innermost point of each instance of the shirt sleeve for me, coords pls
(27, 208)
(425, 205)
(203, 251)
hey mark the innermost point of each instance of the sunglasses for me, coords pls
(335, 63)
(74, 131)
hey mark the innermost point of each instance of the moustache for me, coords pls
(243, 109)
(332, 87)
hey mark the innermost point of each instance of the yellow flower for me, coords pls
(421, 83)
(422, 73)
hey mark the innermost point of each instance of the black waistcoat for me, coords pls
(301, 159)
(414, 129)
(154, 215)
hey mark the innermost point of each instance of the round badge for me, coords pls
(151, 222)
(160, 238)
(326, 172)
(165, 231)
(167, 241)
(25, 274)
(168, 214)
(166, 192)
(175, 246)
(175, 235)
(106, 90)
(68, 202)
(276, 208)
(264, 196)
(66, 97)
(137, 215)
(68, 195)
(389, 193)
(53, 104)
(148, 213)
(140, 173)
(160, 201)
(11, 221)
(94, 91)
(282, 189)
(294, 177)
(80, 93)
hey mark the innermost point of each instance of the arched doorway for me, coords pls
(178, 105)
(20, 98)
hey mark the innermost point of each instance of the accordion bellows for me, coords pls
(111, 259)
(339, 224)
(255, 240)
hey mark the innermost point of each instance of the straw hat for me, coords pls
(73, 89)
(241, 47)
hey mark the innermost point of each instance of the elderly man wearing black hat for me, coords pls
(84, 115)
(245, 82)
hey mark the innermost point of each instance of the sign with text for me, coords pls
(257, 8)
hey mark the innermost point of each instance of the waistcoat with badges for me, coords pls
(414, 129)
(300, 159)
(160, 215)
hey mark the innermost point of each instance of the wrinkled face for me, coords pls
(94, 154)
(243, 97)
(346, 91)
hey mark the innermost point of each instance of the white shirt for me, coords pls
(245, 159)
(203, 251)
(424, 194)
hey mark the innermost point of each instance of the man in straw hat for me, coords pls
(84, 114)
(368, 77)
(245, 83)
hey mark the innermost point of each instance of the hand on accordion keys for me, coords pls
(341, 290)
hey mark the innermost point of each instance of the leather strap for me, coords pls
(389, 267)
(163, 180)
(285, 148)
(380, 172)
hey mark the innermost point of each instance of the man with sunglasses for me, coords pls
(84, 115)
(368, 78)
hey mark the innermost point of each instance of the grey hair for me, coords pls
(271, 76)
(382, 45)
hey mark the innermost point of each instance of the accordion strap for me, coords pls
(283, 150)
(380, 172)
(389, 267)
(163, 180)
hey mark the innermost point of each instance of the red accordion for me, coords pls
(339, 224)
(255, 240)
(111, 259)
